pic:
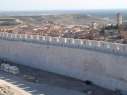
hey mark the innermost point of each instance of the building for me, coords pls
(119, 19)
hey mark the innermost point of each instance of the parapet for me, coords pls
(103, 46)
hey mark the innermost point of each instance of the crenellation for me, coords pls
(69, 42)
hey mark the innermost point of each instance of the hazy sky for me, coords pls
(7, 5)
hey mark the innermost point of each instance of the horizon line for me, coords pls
(59, 10)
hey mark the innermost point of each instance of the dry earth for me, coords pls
(9, 89)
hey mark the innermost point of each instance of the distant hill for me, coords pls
(65, 19)
(98, 13)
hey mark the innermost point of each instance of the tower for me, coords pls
(119, 19)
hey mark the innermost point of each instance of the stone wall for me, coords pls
(103, 63)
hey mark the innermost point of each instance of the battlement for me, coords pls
(68, 42)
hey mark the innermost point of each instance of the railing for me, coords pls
(68, 42)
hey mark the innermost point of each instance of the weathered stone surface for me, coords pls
(105, 69)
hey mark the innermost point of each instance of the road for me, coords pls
(37, 89)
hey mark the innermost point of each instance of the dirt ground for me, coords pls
(9, 89)
(50, 83)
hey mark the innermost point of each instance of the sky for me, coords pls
(27, 5)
